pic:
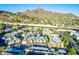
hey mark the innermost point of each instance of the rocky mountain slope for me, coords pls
(40, 16)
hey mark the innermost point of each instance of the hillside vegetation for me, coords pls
(40, 16)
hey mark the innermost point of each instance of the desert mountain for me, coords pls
(40, 16)
(41, 13)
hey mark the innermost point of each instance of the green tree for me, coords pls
(39, 30)
(2, 24)
(2, 48)
(72, 51)
(1, 31)
(67, 33)
(62, 38)
(66, 42)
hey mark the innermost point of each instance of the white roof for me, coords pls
(61, 51)
(39, 48)
(52, 49)
(55, 38)
(37, 38)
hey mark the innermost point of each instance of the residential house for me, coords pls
(14, 51)
(62, 51)
(38, 40)
(45, 31)
(55, 41)
(75, 34)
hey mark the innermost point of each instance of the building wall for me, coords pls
(60, 45)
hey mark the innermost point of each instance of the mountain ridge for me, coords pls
(43, 13)
(40, 16)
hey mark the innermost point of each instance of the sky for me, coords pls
(60, 8)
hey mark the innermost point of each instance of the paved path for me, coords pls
(42, 25)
